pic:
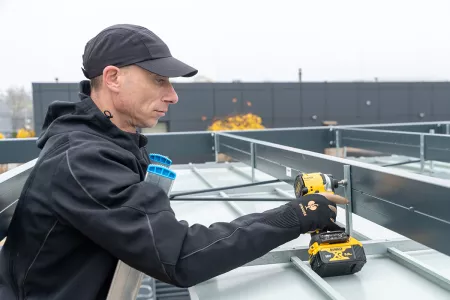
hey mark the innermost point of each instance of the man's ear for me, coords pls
(111, 78)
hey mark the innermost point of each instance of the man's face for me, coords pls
(144, 97)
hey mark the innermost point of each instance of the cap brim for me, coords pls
(168, 67)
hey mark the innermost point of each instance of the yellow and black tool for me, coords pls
(333, 253)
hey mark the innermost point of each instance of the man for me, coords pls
(85, 205)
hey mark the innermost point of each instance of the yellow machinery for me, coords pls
(332, 253)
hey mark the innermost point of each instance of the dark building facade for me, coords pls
(285, 104)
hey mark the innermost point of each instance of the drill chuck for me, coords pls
(308, 183)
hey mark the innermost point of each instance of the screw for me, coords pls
(343, 182)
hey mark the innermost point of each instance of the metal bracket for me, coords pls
(348, 194)
(253, 159)
(324, 286)
(422, 153)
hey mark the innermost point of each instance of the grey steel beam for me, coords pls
(338, 142)
(324, 286)
(214, 188)
(383, 141)
(371, 247)
(411, 161)
(308, 138)
(432, 131)
(440, 127)
(246, 199)
(419, 267)
(348, 195)
(18, 150)
(196, 147)
(426, 146)
(397, 200)
(199, 146)
(216, 147)
(422, 153)
(437, 147)
(252, 159)
(11, 185)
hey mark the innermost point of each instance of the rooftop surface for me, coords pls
(381, 278)
(402, 183)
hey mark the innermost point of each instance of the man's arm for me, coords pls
(104, 199)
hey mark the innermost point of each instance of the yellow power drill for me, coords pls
(332, 253)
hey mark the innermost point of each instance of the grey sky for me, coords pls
(247, 40)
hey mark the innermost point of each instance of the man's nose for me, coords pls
(171, 96)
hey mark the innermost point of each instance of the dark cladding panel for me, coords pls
(342, 100)
(313, 103)
(287, 104)
(394, 100)
(193, 104)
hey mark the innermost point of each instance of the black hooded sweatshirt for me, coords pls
(85, 206)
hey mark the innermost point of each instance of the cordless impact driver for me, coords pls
(332, 253)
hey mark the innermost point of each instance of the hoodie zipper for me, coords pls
(145, 154)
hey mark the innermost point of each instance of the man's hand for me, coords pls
(318, 211)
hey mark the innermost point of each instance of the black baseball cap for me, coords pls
(126, 44)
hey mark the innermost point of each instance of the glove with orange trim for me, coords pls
(317, 212)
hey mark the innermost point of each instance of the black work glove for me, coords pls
(318, 211)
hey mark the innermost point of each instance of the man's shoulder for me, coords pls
(85, 146)
(86, 143)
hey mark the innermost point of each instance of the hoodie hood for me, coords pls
(65, 117)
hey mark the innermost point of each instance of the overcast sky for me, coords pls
(247, 40)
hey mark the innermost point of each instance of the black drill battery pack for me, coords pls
(335, 253)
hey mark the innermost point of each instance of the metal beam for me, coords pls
(437, 147)
(233, 205)
(411, 161)
(198, 147)
(228, 199)
(425, 146)
(220, 188)
(348, 195)
(11, 185)
(371, 247)
(324, 286)
(419, 267)
(440, 127)
(18, 150)
(383, 141)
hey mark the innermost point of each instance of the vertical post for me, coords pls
(431, 162)
(253, 160)
(216, 146)
(447, 128)
(348, 195)
(422, 153)
(338, 142)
